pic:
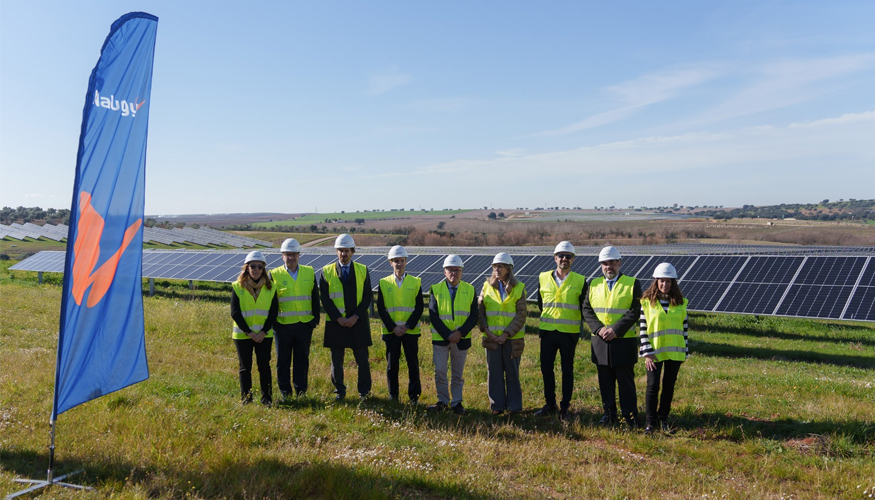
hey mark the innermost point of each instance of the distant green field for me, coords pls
(351, 216)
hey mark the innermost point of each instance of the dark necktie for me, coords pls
(453, 301)
(345, 273)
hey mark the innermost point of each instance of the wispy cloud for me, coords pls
(641, 92)
(845, 118)
(755, 156)
(384, 81)
(782, 84)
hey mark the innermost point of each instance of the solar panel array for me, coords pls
(202, 236)
(33, 231)
(810, 286)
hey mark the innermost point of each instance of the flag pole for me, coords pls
(100, 192)
(50, 480)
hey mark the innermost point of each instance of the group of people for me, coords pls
(283, 305)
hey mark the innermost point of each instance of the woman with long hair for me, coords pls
(502, 320)
(254, 309)
(663, 336)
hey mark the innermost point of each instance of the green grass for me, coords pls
(319, 219)
(765, 408)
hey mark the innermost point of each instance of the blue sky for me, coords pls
(290, 106)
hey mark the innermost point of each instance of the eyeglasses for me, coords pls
(257, 267)
(568, 256)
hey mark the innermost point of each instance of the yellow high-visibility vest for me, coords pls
(400, 301)
(255, 312)
(666, 329)
(561, 304)
(610, 306)
(294, 295)
(499, 313)
(453, 314)
(335, 286)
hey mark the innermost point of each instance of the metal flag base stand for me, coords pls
(38, 484)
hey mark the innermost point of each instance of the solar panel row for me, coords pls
(811, 286)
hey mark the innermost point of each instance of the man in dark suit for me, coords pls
(612, 311)
(345, 290)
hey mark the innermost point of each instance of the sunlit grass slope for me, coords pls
(765, 408)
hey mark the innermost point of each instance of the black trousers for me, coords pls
(565, 344)
(394, 344)
(669, 370)
(364, 370)
(622, 377)
(262, 359)
(293, 340)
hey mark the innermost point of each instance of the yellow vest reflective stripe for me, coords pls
(610, 306)
(254, 311)
(499, 313)
(400, 302)
(452, 314)
(294, 295)
(666, 329)
(335, 286)
(561, 304)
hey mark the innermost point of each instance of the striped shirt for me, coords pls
(645, 348)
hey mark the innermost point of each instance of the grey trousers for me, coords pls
(364, 370)
(503, 379)
(441, 354)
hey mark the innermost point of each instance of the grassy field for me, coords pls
(765, 408)
(319, 219)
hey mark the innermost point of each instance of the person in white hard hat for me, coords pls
(664, 330)
(503, 314)
(561, 294)
(254, 309)
(452, 311)
(298, 315)
(612, 311)
(345, 289)
(400, 306)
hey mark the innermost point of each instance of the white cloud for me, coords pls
(845, 118)
(382, 82)
(641, 92)
(792, 158)
(782, 84)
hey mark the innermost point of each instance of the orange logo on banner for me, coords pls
(86, 252)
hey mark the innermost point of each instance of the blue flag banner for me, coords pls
(101, 343)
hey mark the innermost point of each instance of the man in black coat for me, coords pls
(612, 311)
(345, 290)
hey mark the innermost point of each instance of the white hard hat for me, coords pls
(253, 256)
(291, 245)
(503, 258)
(454, 261)
(344, 241)
(665, 270)
(564, 246)
(609, 253)
(396, 252)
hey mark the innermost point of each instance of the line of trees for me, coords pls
(825, 211)
(20, 215)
